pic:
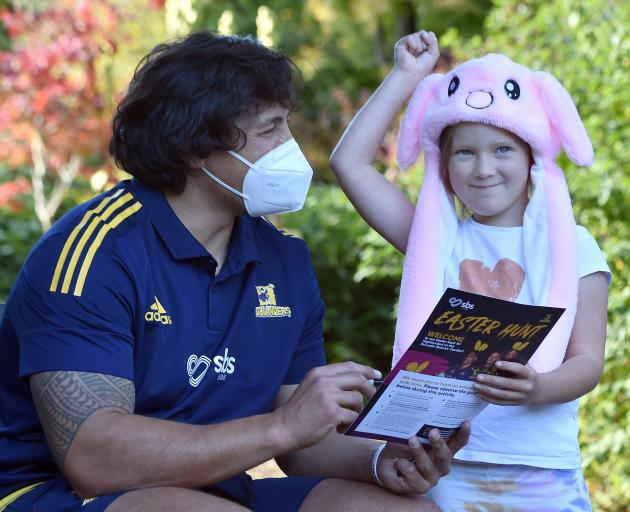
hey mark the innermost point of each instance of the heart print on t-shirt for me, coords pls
(503, 282)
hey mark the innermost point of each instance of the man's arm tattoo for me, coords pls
(64, 400)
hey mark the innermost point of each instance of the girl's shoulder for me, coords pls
(590, 257)
(584, 236)
(586, 242)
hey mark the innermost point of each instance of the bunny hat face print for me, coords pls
(534, 106)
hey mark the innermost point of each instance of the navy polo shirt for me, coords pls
(119, 286)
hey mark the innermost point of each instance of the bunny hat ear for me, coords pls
(567, 127)
(567, 130)
(408, 147)
(421, 275)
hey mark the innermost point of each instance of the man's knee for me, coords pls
(171, 499)
(347, 496)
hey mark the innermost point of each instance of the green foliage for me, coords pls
(20, 229)
(358, 272)
(586, 45)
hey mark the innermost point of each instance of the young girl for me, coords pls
(491, 130)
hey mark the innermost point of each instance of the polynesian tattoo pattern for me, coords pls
(64, 400)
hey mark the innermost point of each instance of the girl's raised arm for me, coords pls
(378, 201)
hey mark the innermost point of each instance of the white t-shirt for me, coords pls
(489, 260)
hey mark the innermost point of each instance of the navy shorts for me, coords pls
(264, 495)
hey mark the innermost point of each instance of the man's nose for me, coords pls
(285, 135)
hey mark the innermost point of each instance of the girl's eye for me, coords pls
(463, 152)
(504, 149)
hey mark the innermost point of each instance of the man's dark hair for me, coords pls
(184, 99)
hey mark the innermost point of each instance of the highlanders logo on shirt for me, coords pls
(267, 303)
(157, 313)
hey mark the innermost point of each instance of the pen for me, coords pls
(377, 383)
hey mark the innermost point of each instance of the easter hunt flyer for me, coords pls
(431, 386)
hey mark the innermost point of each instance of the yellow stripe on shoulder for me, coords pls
(75, 232)
(86, 236)
(108, 226)
(7, 500)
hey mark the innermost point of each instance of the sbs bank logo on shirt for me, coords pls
(267, 307)
(198, 366)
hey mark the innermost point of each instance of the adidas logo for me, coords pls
(158, 313)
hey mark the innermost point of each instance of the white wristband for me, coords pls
(375, 477)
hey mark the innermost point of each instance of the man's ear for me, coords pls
(195, 162)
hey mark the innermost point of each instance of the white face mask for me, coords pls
(275, 183)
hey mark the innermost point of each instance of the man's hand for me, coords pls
(417, 53)
(330, 397)
(414, 469)
(522, 388)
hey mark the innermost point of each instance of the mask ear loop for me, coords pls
(242, 159)
(224, 185)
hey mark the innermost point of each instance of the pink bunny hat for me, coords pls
(533, 105)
